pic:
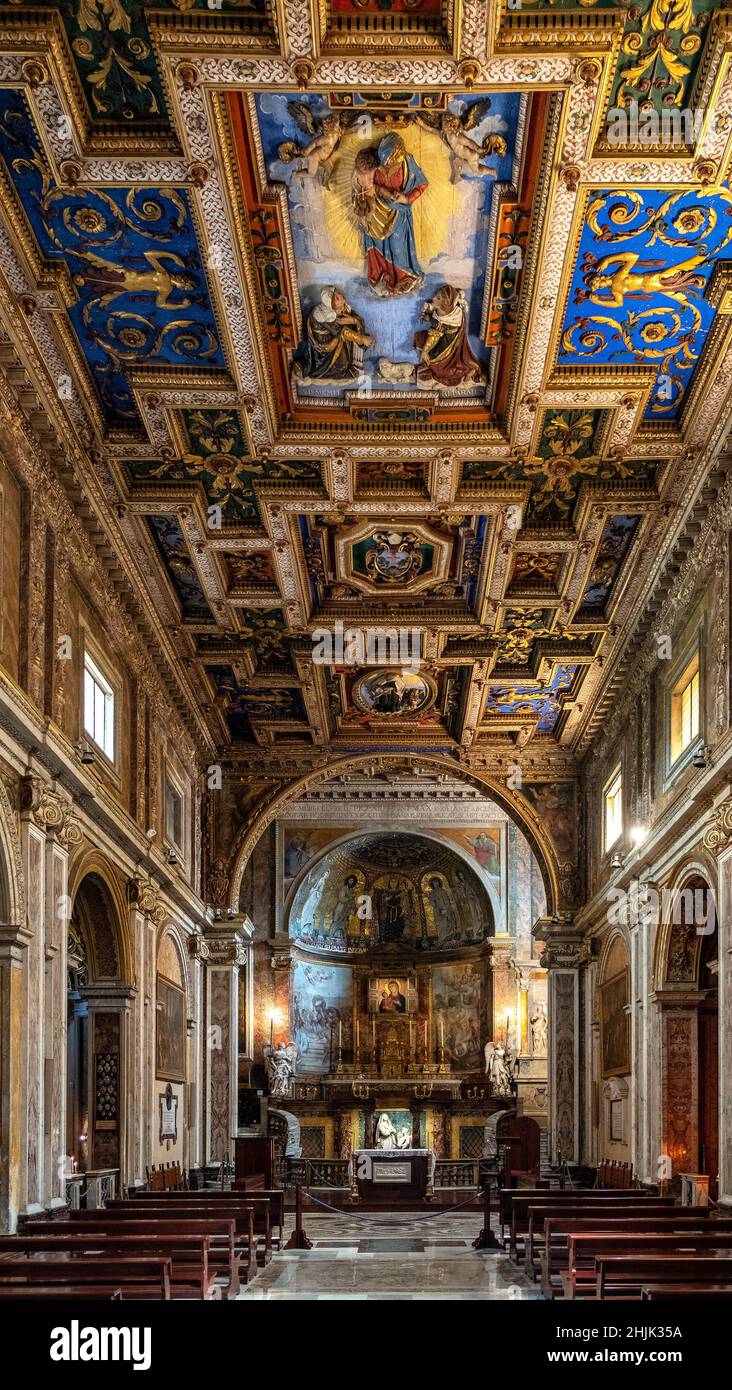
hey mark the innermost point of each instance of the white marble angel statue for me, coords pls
(497, 1068)
(385, 1136)
(280, 1062)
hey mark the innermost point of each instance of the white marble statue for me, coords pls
(280, 1062)
(404, 1138)
(386, 1135)
(497, 1068)
(539, 1030)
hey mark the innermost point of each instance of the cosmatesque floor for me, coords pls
(391, 1256)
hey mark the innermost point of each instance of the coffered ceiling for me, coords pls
(357, 316)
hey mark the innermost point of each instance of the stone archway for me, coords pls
(99, 994)
(686, 998)
(560, 878)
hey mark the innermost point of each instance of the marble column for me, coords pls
(724, 927)
(564, 957)
(199, 954)
(146, 915)
(14, 943)
(228, 945)
(48, 830)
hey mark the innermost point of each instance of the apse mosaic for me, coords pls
(390, 217)
(637, 295)
(389, 891)
(134, 262)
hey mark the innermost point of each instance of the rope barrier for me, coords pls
(391, 1221)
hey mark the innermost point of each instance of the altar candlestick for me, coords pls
(442, 1033)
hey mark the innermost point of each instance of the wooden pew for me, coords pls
(275, 1195)
(613, 1204)
(506, 1196)
(623, 1276)
(168, 1206)
(541, 1212)
(657, 1293)
(57, 1293)
(585, 1250)
(195, 1261)
(553, 1255)
(138, 1276)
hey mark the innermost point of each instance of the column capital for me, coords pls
(143, 895)
(718, 834)
(49, 809)
(227, 945)
(281, 958)
(564, 947)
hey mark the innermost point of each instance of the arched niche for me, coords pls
(98, 996)
(172, 1010)
(614, 1003)
(686, 972)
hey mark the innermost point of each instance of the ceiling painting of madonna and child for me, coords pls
(393, 213)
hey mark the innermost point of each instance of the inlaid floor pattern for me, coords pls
(391, 1257)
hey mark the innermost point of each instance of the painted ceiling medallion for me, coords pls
(392, 691)
(394, 557)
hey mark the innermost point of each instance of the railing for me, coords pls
(102, 1184)
(317, 1172)
(464, 1173)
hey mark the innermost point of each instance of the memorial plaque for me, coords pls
(392, 1172)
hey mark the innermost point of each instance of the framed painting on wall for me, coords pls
(615, 1025)
(170, 1032)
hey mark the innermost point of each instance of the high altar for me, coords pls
(400, 1001)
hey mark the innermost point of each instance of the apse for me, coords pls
(390, 892)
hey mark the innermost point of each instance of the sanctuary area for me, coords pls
(365, 680)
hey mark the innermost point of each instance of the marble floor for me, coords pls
(391, 1256)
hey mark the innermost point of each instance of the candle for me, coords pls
(373, 1034)
(425, 1038)
(358, 1035)
(340, 1032)
(271, 1029)
(442, 1032)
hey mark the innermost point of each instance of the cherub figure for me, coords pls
(466, 155)
(325, 132)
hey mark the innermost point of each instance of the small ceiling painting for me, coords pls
(402, 693)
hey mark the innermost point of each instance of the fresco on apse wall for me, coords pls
(300, 844)
(484, 846)
(390, 218)
(390, 890)
(322, 997)
(637, 295)
(554, 802)
(457, 1002)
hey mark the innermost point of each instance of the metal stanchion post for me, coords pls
(487, 1239)
(298, 1240)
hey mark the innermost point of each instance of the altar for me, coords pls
(389, 1177)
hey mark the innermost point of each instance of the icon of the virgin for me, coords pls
(386, 183)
